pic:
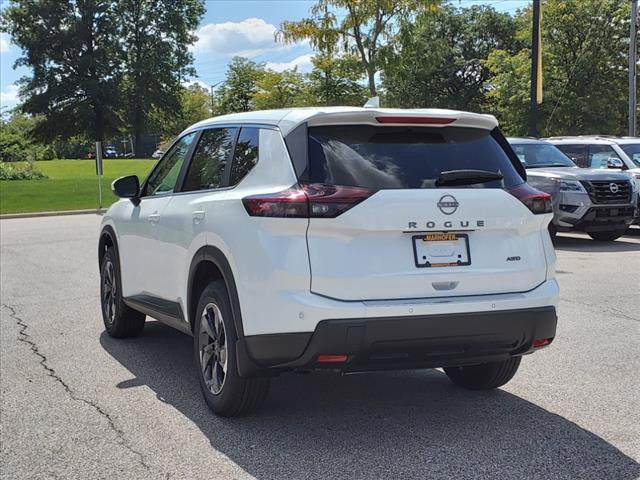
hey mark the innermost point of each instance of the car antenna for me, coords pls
(373, 102)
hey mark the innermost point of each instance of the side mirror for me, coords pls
(614, 162)
(127, 187)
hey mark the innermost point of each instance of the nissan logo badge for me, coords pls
(448, 204)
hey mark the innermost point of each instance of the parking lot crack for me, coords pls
(24, 337)
(604, 309)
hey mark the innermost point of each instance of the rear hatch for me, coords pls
(406, 232)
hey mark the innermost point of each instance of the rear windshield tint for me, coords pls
(403, 157)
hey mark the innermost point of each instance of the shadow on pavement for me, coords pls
(585, 243)
(382, 425)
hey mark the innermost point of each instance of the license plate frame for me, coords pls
(463, 251)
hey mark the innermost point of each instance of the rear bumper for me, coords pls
(421, 341)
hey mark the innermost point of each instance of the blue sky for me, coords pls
(229, 28)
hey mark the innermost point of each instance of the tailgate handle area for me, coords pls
(440, 286)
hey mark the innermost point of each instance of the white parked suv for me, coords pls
(618, 153)
(334, 239)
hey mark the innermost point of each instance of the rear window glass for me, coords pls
(403, 157)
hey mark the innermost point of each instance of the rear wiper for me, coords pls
(466, 177)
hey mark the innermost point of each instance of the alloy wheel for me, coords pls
(109, 291)
(212, 341)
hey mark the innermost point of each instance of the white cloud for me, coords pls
(9, 96)
(303, 63)
(4, 44)
(248, 38)
(189, 83)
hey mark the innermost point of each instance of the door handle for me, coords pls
(153, 217)
(198, 216)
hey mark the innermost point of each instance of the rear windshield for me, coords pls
(403, 157)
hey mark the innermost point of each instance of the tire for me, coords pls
(214, 346)
(120, 321)
(485, 376)
(606, 236)
(553, 231)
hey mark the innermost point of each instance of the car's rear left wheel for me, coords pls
(214, 337)
(485, 376)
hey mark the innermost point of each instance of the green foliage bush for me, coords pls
(21, 171)
(16, 141)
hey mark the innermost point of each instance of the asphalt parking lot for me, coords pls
(78, 404)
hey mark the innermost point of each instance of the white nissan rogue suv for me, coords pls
(334, 239)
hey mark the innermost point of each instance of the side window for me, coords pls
(519, 151)
(599, 154)
(577, 153)
(245, 155)
(164, 176)
(209, 159)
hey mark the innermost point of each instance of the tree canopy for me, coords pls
(363, 29)
(99, 66)
(585, 70)
(157, 34)
(72, 50)
(438, 59)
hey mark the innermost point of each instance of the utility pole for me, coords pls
(535, 45)
(213, 101)
(633, 55)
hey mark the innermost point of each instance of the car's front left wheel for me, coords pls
(214, 337)
(609, 236)
(119, 319)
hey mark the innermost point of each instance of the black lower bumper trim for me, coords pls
(400, 342)
(606, 218)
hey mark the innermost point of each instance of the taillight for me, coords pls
(542, 342)
(535, 200)
(332, 358)
(306, 200)
(290, 203)
(329, 201)
(417, 120)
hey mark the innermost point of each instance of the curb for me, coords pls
(8, 216)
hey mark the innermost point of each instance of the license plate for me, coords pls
(440, 249)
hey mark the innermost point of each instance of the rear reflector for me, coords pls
(535, 200)
(542, 342)
(332, 358)
(417, 120)
(306, 200)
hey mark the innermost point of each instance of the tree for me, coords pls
(194, 105)
(279, 90)
(241, 84)
(156, 34)
(585, 70)
(336, 81)
(438, 59)
(16, 139)
(365, 27)
(72, 50)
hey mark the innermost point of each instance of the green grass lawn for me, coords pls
(72, 185)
